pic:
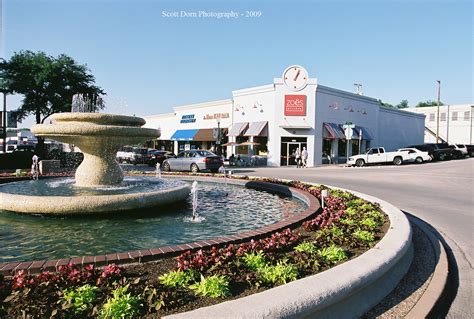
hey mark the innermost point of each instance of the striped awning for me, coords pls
(365, 133)
(238, 128)
(333, 131)
(257, 129)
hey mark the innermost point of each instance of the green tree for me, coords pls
(402, 105)
(385, 104)
(48, 84)
(428, 103)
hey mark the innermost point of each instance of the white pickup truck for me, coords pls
(377, 155)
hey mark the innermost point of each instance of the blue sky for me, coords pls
(148, 63)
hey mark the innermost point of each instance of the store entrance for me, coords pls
(288, 149)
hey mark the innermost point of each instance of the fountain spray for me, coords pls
(158, 170)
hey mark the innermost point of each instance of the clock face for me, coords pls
(295, 77)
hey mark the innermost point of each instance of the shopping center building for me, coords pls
(266, 124)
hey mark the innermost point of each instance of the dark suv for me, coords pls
(437, 151)
(155, 156)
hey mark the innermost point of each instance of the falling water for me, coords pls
(194, 193)
(158, 170)
(35, 167)
(222, 171)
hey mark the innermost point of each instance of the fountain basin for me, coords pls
(63, 197)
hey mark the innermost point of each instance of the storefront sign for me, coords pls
(188, 119)
(295, 105)
(216, 116)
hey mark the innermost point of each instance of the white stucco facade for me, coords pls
(299, 117)
(455, 123)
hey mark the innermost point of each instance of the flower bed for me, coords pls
(346, 227)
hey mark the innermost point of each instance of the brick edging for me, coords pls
(145, 255)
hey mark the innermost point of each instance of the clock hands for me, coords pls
(297, 74)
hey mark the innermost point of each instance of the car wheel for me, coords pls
(194, 168)
(442, 157)
(360, 163)
(418, 160)
(397, 161)
(166, 167)
(214, 170)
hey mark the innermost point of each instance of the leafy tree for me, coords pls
(402, 105)
(48, 84)
(428, 103)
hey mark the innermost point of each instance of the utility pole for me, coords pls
(437, 112)
(4, 122)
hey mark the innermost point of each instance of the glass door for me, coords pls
(288, 149)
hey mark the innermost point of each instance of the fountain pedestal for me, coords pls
(99, 136)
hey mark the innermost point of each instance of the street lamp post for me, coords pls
(4, 120)
(437, 112)
(218, 143)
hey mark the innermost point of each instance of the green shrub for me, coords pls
(306, 247)
(340, 194)
(347, 221)
(254, 261)
(376, 215)
(80, 299)
(122, 305)
(279, 274)
(369, 222)
(367, 207)
(214, 286)
(351, 211)
(336, 231)
(355, 202)
(365, 236)
(177, 278)
(332, 254)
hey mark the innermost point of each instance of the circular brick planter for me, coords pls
(138, 256)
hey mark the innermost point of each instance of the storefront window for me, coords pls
(355, 147)
(342, 147)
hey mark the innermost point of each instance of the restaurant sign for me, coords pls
(295, 105)
(188, 119)
(216, 116)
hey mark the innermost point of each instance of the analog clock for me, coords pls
(295, 77)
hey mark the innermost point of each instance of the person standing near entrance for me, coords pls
(304, 157)
(298, 157)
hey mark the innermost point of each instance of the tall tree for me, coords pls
(428, 103)
(402, 105)
(48, 83)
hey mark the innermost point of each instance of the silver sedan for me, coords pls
(194, 161)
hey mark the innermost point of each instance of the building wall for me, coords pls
(455, 125)
(339, 107)
(397, 129)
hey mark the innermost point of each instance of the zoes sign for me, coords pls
(295, 105)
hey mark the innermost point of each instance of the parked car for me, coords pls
(438, 152)
(470, 150)
(377, 155)
(155, 156)
(415, 155)
(132, 155)
(194, 161)
(21, 157)
(460, 150)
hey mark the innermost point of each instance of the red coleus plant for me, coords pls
(67, 275)
(202, 260)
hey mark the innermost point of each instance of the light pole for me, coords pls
(218, 142)
(437, 112)
(4, 118)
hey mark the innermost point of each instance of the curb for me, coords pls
(434, 292)
(345, 291)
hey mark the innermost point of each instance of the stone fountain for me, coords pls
(99, 136)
